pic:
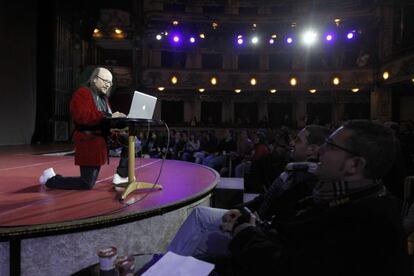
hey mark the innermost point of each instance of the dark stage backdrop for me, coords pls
(17, 71)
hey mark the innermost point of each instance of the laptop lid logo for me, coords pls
(142, 106)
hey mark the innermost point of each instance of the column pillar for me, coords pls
(197, 108)
(300, 111)
(188, 111)
(381, 104)
(262, 106)
(154, 58)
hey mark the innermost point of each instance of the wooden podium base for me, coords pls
(133, 185)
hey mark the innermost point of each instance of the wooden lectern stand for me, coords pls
(132, 125)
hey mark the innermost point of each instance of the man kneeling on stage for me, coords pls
(89, 107)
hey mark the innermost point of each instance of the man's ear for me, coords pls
(360, 163)
(356, 165)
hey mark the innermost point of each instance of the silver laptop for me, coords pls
(142, 106)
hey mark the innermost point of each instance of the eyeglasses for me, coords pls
(329, 144)
(104, 80)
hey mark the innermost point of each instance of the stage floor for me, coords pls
(29, 209)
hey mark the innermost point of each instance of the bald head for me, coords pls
(101, 79)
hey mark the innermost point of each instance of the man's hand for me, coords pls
(229, 219)
(234, 221)
(118, 115)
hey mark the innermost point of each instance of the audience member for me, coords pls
(200, 235)
(192, 145)
(208, 145)
(349, 226)
(297, 181)
(260, 150)
(244, 146)
(217, 158)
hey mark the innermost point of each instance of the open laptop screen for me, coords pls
(142, 106)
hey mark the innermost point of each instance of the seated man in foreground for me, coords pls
(200, 235)
(349, 226)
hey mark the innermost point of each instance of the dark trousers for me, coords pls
(88, 176)
(122, 169)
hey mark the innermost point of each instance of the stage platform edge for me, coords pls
(68, 253)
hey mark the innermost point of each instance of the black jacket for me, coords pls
(282, 194)
(360, 237)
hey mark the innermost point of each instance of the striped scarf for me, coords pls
(328, 191)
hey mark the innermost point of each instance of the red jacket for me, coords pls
(90, 149)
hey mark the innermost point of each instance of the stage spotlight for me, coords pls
(412, 79)
(239, 36)
(329, 37)
(201, 90)
(312, 91)
(274, 36)
(240, 41)
(174, 80)
(161, 88)
(289, 40)
(175, 22)
(237, 90)
(213, 81)
(118, 33)
(158, 37)
(354, 90)
(176, 39)
(337, 21)
(335, 81)
(202, 35)
(97, 33)
(272, 91)
(350, 35)
(253, 81)
(192, 39)
(309, 37)
(385, 75)
(255, 40)
(271, 41)
(214, 25)
(293, 81)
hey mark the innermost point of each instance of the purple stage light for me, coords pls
(271, 41)
(240, 41)
(289, 40)
(350, 35)
(329, 37)
(192, 39)
(176, 38)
